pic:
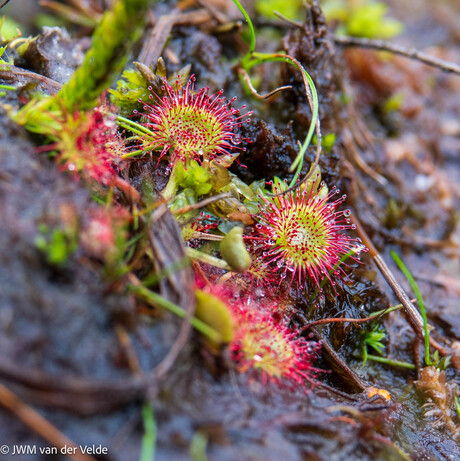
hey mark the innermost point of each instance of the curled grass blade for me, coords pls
(252, 59)
(312, 96)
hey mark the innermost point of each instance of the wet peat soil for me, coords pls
(62, 331)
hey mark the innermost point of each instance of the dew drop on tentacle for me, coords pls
(236, 139)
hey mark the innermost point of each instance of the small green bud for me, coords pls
(234, 251)
(215, 313)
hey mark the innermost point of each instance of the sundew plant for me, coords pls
(259, 244)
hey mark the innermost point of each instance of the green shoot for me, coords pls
(252, 43)
(150, 434)
(207, 259)
(198, 447)
(158, 301)
(6, 87)
(372, 339)
(387, 311)
(57, 244)
(119, 28)
(393, 363)
(291, 9)
(135, 127)
(419, 297)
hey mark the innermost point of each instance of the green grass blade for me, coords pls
(420, 302)
(150, 433)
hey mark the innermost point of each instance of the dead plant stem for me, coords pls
(39, 424)
(415, 319)
(383, 45)
(394, 48)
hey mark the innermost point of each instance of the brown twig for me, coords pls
(128, 350)
(79, 395)
(213, 11)
(14, 74)
(167, 245)
(155, 42)
(349, 320)
(203, 203)
(383, 45)
(349, 144)
(415, 319)
(410, 53)
(39, 424)
(157, 38)
(209, 237)
(335, 391)
(341, 366)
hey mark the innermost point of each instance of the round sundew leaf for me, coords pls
(190, 125)
(300, 232)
